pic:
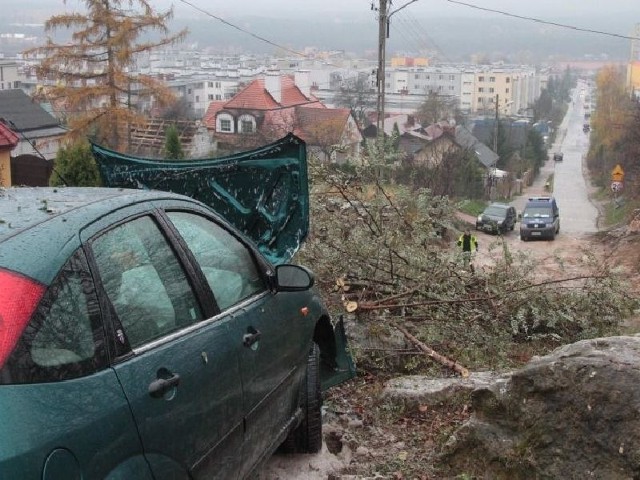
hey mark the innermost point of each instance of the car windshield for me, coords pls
(537, 212)
(495, 211)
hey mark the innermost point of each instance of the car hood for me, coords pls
(264, 193)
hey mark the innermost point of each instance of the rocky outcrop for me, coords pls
(573, 414)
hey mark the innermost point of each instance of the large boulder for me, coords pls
(573, 414)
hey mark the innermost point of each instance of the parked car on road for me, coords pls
(540, 219)
(558, 157)
(497, 218)
(142, 337)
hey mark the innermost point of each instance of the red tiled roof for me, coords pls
(210, 116)
(256, 96)
(291, 94)
(8, 138)
(253, 96)
(331, 121)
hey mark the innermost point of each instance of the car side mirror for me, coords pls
(293, 278)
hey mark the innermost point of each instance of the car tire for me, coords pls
(307, 437)
(523, 238)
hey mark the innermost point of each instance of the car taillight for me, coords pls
(19, 297)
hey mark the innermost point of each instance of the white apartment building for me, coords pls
(475, 89)
(9, 74)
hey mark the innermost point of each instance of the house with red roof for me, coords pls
(270, 107)
(8, 141)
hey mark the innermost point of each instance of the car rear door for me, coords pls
(178, 367)
(62, 409)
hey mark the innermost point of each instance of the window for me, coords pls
(144, 281)
(218, 97)
(210, 84)
(218, 85)
(197, 98)
(64, 338)
(188, 90)
(225, 125)
(481, 89)
(508, 80)
(452, 77)
(492, 79)
(417, 76)
(481, 79)
(246, 126)
(226, 263)
(210, 96)
(506, 90)
(491, 90)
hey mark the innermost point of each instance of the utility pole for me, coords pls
(384, 17)
(380, 77)
(492, 185)
(495, 128)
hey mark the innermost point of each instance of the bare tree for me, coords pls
(357, 95)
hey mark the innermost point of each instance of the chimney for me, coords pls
(303, 82)
(273, 85)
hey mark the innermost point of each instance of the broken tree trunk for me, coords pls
(431, 353)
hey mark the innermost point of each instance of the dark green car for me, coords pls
(142, 337)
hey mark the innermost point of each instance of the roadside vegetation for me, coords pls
(615, 140)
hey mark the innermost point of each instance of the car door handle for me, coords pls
(251, 337)
(159, 387)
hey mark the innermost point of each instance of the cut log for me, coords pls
(431, 353)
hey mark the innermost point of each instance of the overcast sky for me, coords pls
(280, 8)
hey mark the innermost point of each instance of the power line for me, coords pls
(262, 39)
(546, 22)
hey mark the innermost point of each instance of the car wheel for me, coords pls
(307, 437)
(523, 238)
(553, 235)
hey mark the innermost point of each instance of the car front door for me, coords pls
(178, 368)
(271, 331)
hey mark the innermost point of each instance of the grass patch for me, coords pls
(617, 212)
(472, 207)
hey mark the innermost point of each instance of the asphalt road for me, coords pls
(577, 214)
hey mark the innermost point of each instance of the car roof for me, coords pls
(500, 205)
(40, 227)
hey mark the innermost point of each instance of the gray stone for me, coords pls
(573, 414)
(414, 390)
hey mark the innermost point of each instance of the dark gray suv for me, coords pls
(497, 218)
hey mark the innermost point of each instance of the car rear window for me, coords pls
(64, 338)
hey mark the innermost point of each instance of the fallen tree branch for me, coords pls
(487, 298)
(431, 353)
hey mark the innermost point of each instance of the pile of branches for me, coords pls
(385, 257)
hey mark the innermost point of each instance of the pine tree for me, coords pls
(75, 166)
(91, 78)
(172, 146)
